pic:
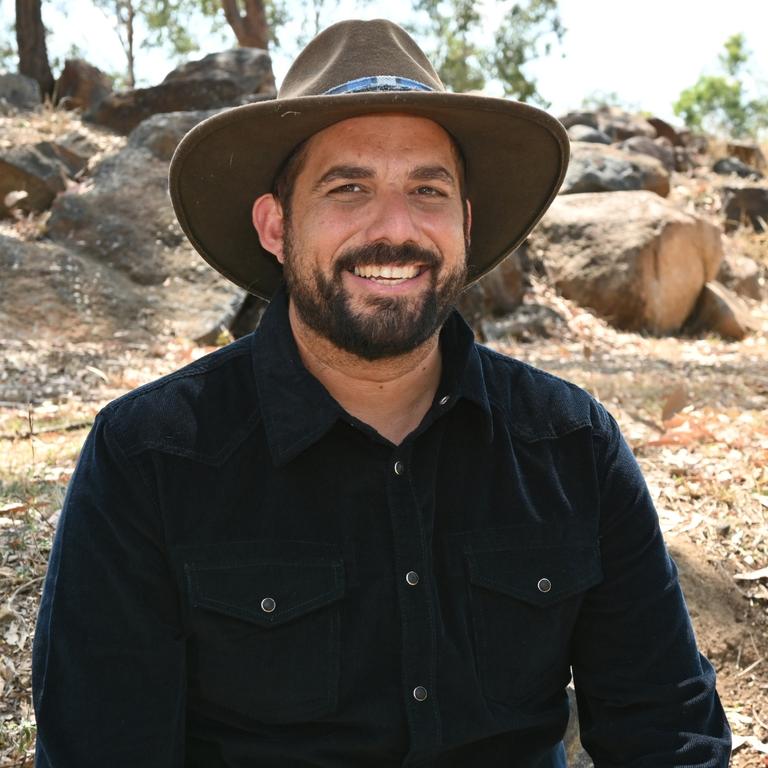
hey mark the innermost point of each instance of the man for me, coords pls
(356, 538)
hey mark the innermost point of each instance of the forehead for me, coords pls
(382, 137)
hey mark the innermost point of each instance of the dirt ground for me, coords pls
(695, 411)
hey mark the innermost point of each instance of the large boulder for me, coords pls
(598, 168)
(749, 154)
(632, 257)
(160, 134)
(219, 80)
(18, 92)
(665, 130)
(249, 68)
(579, 118)
(81, 86)
(125, 220)
(745, 203)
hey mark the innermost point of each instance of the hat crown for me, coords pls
(350, 52)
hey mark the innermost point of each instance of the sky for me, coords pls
(646, 52)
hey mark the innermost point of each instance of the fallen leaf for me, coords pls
(762, 573)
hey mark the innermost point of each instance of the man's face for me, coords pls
(374, 253)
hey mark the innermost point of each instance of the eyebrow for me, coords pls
(422, 173)
(344, 172)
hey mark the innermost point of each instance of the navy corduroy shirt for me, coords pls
(245, 575)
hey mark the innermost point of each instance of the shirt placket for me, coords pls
(413, 573)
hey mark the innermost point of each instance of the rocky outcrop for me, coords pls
(497, 293)
(160, 134)
(125, 221)
(81, 86)
(630, 256)
(598, 168)
(219, 80)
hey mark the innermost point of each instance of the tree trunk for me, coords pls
(30, 38)
(251, 28)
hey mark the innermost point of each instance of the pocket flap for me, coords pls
(537, 575)
(265, 590)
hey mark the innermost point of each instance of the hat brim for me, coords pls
(516, 158)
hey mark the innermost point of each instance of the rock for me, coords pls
(249, 68)
(749, 154)
(527, 322)
(72, 162)
(219, 80)
(744, 203)
(125, 221)
(741, 275)
(727, 166)
(632, 257)
(47, 292)
(19, 91)
(81, 86)
(579, 118)
(31, 169)
(576, 756)
(78, 145)
(657, 148)
(497, 293)
(597, 168)
(665, 130)
(160, 134)
(580, 132)
(721, 311)
(621, 125)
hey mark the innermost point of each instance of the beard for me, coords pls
(388, 326)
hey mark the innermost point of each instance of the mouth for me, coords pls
(388, 275)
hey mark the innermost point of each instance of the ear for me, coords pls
(267, 217)
(468, 223)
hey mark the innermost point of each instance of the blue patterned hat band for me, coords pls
(378, 83)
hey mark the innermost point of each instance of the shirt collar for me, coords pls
(296, 408)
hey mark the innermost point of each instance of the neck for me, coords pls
(391, 395)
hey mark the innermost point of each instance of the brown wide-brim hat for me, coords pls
(516, 155)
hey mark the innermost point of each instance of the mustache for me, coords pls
(385, 254)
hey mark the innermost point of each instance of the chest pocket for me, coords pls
(265, 629)
(524, 603)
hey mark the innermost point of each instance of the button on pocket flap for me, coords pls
(537, 575)
(265, 591)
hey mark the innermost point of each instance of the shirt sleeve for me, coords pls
(108, 654)
(646, 696)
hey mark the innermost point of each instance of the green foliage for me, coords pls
(8, 59)
(719, 102)
(465, 61)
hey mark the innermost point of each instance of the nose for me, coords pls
(392, 220)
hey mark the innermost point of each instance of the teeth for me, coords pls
(386, 273)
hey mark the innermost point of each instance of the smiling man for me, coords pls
(356, 537)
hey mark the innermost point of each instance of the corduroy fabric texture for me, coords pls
(238, 480)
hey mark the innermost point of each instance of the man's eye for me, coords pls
(347, 188)
(429, 191)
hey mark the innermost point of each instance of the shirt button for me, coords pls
(412, 578)
(419, 693)
(268, 605)
(444, 400)
(544, 585)
(399, 467)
